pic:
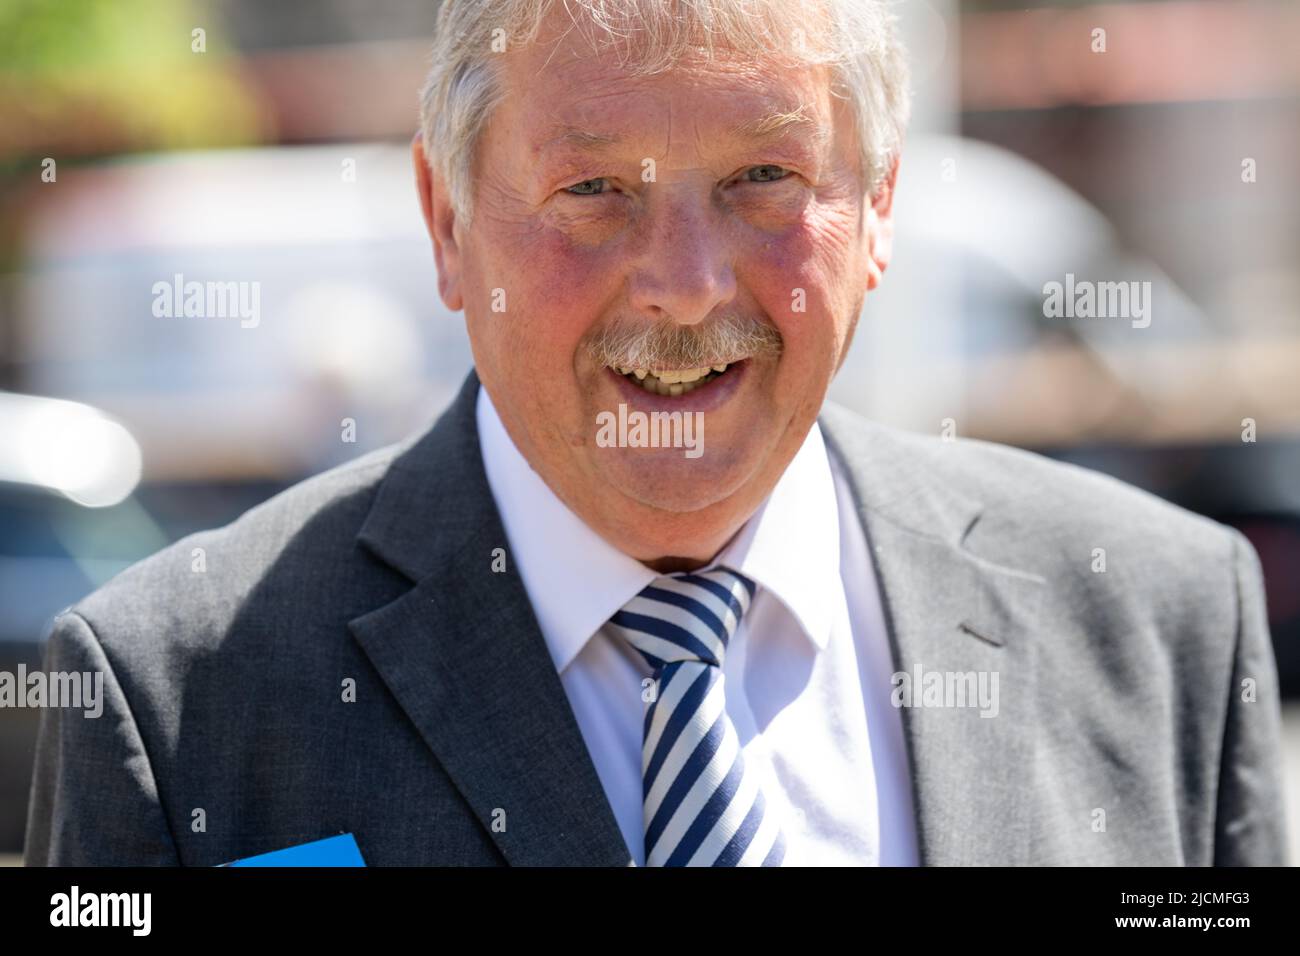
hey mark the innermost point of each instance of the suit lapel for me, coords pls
(949, 612)
(463, 655)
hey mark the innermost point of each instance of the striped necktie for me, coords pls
(700, 806)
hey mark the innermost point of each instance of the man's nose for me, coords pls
(684, 270)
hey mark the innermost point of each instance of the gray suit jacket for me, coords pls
(226, 733)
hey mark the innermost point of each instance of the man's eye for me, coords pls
(584, 188)
(767, 173)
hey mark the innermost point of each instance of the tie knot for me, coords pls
(688, 616)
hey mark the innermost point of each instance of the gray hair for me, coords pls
(867, 60)
(670, 344)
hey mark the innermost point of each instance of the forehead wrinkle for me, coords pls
(770, 126)
(789, 116)
(577, 136)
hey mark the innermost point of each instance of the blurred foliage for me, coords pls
(91, 77)
(84, 79)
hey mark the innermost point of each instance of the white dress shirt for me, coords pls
(807, 673)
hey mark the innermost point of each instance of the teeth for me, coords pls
(684, 375)
(672, 382)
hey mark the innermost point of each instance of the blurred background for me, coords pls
(147, 142)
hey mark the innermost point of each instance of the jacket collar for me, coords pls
(462, 654)
(950, 611)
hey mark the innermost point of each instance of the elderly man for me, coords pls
(639, 596)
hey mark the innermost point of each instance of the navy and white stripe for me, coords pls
(701, 808)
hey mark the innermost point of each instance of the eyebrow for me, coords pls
(766, 128)
(777, 122)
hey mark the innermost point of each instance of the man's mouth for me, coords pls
(673, 382)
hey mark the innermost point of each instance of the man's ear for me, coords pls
(880, 228)
(440, 220)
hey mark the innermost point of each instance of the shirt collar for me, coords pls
(576, 580)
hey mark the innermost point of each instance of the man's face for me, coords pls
(615, 213)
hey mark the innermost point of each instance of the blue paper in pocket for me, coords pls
(341, 850)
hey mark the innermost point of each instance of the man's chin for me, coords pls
(665, 480)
